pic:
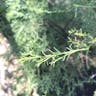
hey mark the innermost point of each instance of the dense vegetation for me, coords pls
(55, 43)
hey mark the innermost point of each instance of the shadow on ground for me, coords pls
(5, 27)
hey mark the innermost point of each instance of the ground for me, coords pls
(8, 68)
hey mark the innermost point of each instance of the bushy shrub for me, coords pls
(53, 38)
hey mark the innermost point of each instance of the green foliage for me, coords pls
(27, 23)
(49, 34)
